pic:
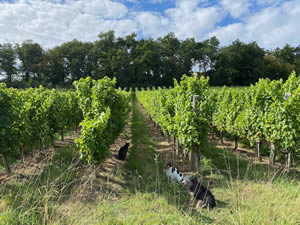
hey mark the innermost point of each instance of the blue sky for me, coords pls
(271, 23)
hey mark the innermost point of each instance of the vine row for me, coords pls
(28, 117)
(268, 112)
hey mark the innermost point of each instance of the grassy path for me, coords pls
(149, 199)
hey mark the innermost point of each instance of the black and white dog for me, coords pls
(173, 173)
(200, 195)
(123, 151)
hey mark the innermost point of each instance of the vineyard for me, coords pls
(33, 116)
(84, 183)
(267, 112)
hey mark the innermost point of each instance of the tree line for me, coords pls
(143, 62)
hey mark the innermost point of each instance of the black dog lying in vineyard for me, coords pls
(200, 195)
(123, 152)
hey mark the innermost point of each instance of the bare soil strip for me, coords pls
(244, 152)
(35, 161)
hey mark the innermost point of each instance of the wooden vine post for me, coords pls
(235, 143)
(258, 145)
(272, 155)
(22, 153)
(177, 147)
(195, 149)
(288, 160)
(174, 145)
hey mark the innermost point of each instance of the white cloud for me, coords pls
(190, 20)
(102, 8)
(272, 27)
(236, 8)
(131, 1)
(52, 22)
(152, 25)
(227, 34)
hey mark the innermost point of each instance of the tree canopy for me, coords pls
(144, 62)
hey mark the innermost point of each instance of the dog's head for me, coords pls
(189, 180)
(127, 144)
(167, 166)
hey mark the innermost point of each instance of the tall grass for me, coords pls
(35, 200)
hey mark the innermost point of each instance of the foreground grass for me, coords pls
(35, 200)
(250, 193)
(246, 193)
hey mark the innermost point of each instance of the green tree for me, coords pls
(30, 54)
(54, 67)
(103, 52)
(122, 63)
(239, 64)
(207, 54)
(8, 61)
(275, 69)
(77, 60)
(187, 55)
(170, 63)
(286, 54)
(147, 64)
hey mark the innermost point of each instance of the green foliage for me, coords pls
(30, 54)
(172, 110)
(29, 116)
(6, 118)
(239, 64)
(8, 61)
(191, 127)
(268, 110)
(105, 111)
